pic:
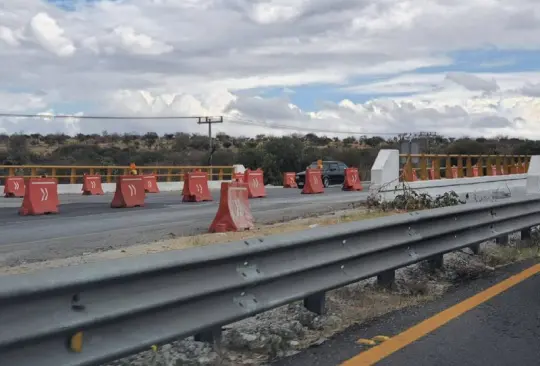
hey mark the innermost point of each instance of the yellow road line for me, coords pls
(416, 332)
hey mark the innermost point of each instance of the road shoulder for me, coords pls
(344, 345)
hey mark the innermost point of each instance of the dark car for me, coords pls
(333, 173)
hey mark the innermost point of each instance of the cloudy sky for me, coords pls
(456, 67)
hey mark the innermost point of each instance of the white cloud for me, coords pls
(50, 35)
(472, 82)
(198, 57)
(128, 40)
(8, 36)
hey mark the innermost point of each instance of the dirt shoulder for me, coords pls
(184, 242)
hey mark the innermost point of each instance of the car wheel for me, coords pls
(326, 182)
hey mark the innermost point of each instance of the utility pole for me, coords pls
(210, 121)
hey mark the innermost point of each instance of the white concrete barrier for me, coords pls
(239, 168)
(385, 181)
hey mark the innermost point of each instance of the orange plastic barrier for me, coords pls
(234, 213)
(196, 187)
(454, 172)
(129, 192)
(493, 170)
(313, 183)
(238, 177)
(475, 171)
(150, 183)
(414, 175)
(289, 180)
(432, 174)
(352, 180)
(40, 197)
(92, 185)
(14, 187)
(255, 181)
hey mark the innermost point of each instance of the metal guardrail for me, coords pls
(441, 165)
(74, 173)
(93, 313)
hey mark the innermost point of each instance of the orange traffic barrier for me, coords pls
(40, 197)
(493, 170)
(14, 187)
(454, 172)
(238, 177)
(352, 180)
(255, 181)
(475, 172)
(289, 180)
(92, 185)
(234, 212)
(414, 175)
(313, 182)
(129, 192)
(196, 187)
(150, 183)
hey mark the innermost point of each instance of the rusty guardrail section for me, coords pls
(451, 166)
(74, 173)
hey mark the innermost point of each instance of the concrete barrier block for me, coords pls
(385, 170)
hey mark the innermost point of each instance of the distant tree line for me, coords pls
(273, 154)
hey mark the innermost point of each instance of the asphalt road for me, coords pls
(88, 224)
(505, 330)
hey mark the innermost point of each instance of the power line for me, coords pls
(308, 129)
(101, 117)
(234, 120)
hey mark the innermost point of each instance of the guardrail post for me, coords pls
(436, 262)
(526, 238)
(316, 303)
(480, 165)
(423, 168)
(475, 248)
(526, 234)
(460, 167)
(437, 167)
(386, 279)
(489, 170)
(72, 176)
(448, 168)
(507, 166)
(468, 165)
(109, 175)
(212, 335)
(502, 240)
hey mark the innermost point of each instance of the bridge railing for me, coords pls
(450, 166)
(73, 173)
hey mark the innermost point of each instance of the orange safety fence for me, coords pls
(440, 166)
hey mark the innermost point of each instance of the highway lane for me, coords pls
(87, 223)
(492, 321)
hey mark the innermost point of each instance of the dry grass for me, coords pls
(502, 255)
(201, 240)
